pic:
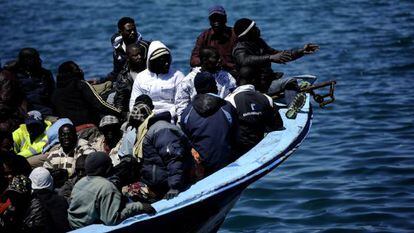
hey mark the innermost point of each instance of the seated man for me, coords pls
(219, 36)
(135, 63)
(76, 99)
(127, 34)
(30, 138)
(211, 125)
(55, 206)
(210, 62)
(70, 150)
(96, 200)
(253, 60)
(257, 115)
(164, 152)
(36, 82)
(159, 81)
(136, 117)
(109, 141)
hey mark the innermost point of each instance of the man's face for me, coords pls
(212, 63)
(161, 65)
(218, 23)
(112, 134)
(254, 33)
(68, 138)
(129, 33)
(135, 59)
(30, 62)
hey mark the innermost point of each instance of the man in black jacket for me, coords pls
(135, 63)
(254, 60)
(165, 153)
(37, 83)
(127, 34)
(76, 99)
(257, 115)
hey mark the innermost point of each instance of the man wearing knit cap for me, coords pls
(109, 141)
(56, 206)
(211, 124)
(95, 199)
(254, 60)
(218, 36)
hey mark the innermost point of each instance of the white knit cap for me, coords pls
(41, 179)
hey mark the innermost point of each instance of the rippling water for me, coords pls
(355, 171)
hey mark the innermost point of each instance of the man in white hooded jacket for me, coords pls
(159, 81)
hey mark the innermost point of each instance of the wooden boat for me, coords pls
(204, 206)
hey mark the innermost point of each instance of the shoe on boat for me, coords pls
(296, 105)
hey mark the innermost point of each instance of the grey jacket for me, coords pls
(97, 200)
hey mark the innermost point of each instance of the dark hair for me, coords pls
(67, 125)
(206, 52)
(68, 71)
(123, 21)
(24, 52)
(16, 163)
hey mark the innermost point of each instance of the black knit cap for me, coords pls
(98, 164)
(204, 82)
(241, 25)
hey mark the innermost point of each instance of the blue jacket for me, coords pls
(212, 127)
(167, 155)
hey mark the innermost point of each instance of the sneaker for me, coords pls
(304, 84)
(296, 105)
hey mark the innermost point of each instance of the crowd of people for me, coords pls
(74, 153)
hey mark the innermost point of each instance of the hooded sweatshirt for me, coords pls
(211, 125)
(162, 88)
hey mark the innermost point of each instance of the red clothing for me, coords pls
(223, 44)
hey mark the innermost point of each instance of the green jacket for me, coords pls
(95, 199)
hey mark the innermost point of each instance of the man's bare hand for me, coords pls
(281, 57)
(310, 48)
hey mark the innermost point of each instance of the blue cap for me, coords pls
(217, 9)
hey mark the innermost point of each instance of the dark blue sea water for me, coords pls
(354, 172)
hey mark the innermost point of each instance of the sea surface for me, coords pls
(354, 172)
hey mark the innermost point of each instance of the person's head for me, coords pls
(204, 82)
(218, 19)
(139, 113)
(14, 165)
(210, 59)
(135, 57)
(6, 140)
(80, 166)
(110, 128)
(68, 71)
(29, 59)
(128, 30)
(67, 137)
(41, 179)
(35, 124)
(18, 191)
(246, 29)
(159, 59)
(98, 164)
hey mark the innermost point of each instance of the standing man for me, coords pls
(123, 86)
(36, 82)
(127, 34)
(218, 36)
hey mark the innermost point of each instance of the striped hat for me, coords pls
(158, 53)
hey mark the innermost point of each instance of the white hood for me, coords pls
(156, 45)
